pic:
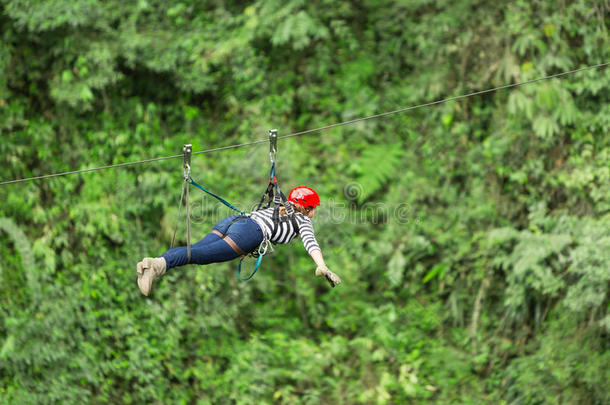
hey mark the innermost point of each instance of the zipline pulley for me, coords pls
(272, 147)
(187, 151)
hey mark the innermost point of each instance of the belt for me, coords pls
(230, 242)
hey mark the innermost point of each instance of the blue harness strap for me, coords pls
(222, 200)
(256, 266)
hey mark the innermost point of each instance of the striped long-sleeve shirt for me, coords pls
(285, 231)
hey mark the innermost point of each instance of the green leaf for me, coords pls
(545, 127)
(437, 271)
(378, 164)
(396, 267)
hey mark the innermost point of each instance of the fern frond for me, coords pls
(378, 165)
(23, 246)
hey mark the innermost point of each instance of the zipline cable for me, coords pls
(476, 93)
(400, 110)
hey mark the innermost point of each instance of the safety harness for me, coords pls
(273, 194)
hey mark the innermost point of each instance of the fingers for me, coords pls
(321, 270)
(334, 278)
(331, 277)
(143, 265)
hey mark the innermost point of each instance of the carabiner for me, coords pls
(187, 151)
(264, 246)
(272, 145)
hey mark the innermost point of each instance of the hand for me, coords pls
(331, 277)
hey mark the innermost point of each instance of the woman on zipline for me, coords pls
(239, 235)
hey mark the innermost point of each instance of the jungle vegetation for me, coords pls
(472, 237)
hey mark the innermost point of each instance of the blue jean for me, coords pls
(212, 249)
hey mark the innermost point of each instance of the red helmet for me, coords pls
(304, 196)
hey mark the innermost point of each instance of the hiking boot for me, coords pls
(149, 269)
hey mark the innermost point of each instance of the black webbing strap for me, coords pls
(268, 194)
(280, 200)
(274, 195)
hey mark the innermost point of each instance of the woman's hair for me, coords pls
(298, 208)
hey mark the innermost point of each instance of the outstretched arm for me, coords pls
(316, 255)
(322, 270)
(312, 247)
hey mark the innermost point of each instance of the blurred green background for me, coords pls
(473, 237)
